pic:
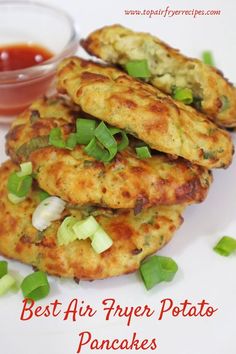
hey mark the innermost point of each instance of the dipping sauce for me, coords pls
(19, 89)
(21, 56)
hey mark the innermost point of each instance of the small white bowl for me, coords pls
(32, 23)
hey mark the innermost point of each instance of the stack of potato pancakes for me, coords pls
(133, 151)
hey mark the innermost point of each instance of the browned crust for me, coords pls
(165, 125)
(106, 43)
(134, 238)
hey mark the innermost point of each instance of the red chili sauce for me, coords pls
(16, 95)
(21, 56)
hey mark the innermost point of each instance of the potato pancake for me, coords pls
(134, 237)
(142, 110)
(126, 182)
(212, 93)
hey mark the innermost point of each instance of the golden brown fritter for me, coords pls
(37, 121)
(134, 237)
(126, 182)
(142, 110)
(216, 95)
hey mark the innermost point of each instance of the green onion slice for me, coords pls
(35, 143)
(71, 141)
(138, 68)
(65, 233)
(95, 150)
(3, 268)
(26, 169)
(43, 195)
(70, 230)
(55, 138)
(104, 136)
(6, 283)
(184, 95)
(207, 58)
(35, 286)
(85, 130)
(14, 199)
(225, 104)
(101, 241)
(143, 152)
(225, 246)
(19, 186)
(157, 269)
(85, 228)
(123, 144)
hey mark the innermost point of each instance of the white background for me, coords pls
(203, 274)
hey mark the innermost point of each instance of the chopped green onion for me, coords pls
(35, 286)
(70, 230)
(71, 141)
(143, 152)
(138, 68)
(224, 103)
(19, 186)
(55, 138)
(85, 228)
(104, 136)
(35, 143)
(101, 241)
(157, 269)
(207, 58)
(3, 268)
(100, 142)
(43, 195)
(124, 138)
(225, 246)
(26, 169)
(95, 150)
(85, 130)
(184, 95)
(197, 103)
(65, 233)
(14, 199)
(47, 211)
(6, 283)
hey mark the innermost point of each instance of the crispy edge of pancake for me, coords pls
(165, 125)
(117, 44)
(134, 238)
(37, 120)
(126, 182)
(79, 179)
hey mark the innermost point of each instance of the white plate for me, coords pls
(203, 274)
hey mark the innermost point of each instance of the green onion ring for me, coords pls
(138, 68)
(35, 286)
(85, 129)
(43, 195)
(71, 141)
(26, 169)
(104, 136)
(207, 58)
(55, 138)
(19, 186)
(183, 94)
(94, 149)
(143, 152)
(6, 283)
(157, 269)
(3, 268)
(225, 246)
(123, 144)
